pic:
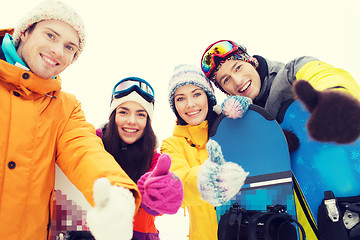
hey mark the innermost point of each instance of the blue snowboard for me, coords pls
(320, 167)
(259, 146)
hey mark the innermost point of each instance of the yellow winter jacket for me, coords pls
(40, 126)
(324, 76)
(187, 149)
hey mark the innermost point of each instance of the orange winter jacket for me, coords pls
(40, 126)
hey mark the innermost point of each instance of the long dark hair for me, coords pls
(134, 158)
(210, 117)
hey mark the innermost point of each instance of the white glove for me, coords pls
(219, 181)
(112, 216)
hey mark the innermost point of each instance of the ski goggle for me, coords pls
(219, 49)
(127, 85)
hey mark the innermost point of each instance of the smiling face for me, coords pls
(131, 120)
(49, 49)
(238, 77)
(191, 103)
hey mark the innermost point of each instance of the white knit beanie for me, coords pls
(133, 97)
(185, 74)
(52, 10)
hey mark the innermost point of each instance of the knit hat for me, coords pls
(188, 74)
(52, 10)
(240, 54)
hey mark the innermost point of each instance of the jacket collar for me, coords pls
(3, 32)
(263, 71)
(10, 53)
(27, 81)
(195, 135)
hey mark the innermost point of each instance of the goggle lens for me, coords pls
(129, 83)
(220, 49)
(125, 87)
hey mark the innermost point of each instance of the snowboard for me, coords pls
(256, 142)
(69, 207)
(319, 167)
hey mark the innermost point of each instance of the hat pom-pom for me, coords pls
(236, 106)
(217, 109)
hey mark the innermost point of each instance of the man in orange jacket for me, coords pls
(42, 125)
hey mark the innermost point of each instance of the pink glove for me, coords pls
(161, 190)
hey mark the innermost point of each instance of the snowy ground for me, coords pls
(173, 227)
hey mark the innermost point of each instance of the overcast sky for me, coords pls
(148, 39)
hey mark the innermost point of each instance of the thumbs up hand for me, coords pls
(334, 114)
(161, 190)
(112, 216)
(218, 180)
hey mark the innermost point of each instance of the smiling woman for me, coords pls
(130, 139)
(192, 99)
(191, 104)
(131, 120)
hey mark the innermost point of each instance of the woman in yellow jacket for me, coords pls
(192, 99)
(42, 125)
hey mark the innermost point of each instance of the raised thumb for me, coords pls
(307, 94)
(163, 165)
(214, 152)
(101, 192)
